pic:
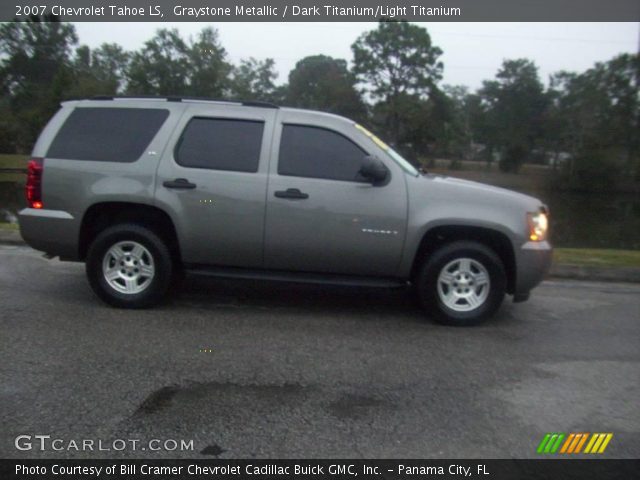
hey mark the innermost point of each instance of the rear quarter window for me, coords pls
(107, 134)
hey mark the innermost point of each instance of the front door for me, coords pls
(322, 216)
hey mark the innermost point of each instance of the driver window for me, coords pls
(316, 152)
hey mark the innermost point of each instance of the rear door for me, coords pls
(322, 216)
(213, 179)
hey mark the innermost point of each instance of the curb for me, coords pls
(574, 272)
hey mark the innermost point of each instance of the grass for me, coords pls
(12, 177)
(8, 160)
(588, 257)
(8, 226)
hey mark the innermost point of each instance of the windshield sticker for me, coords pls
(375, 139)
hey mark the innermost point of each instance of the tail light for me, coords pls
(33, 189)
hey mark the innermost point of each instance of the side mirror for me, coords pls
(374, 170)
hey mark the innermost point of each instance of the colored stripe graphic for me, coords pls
(551, 442)
(607, 439)
(594, 437)
(543, 443)
(572, 443)
(557, 444)
(584, 439)
(598, 443)
(567, 442)
(577, 439)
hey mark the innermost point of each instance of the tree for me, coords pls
(208, 69)
(101, 71)
(321, 82)
(597, 119)
(254, 80)
(35, 73)
(424, 126)
(618, 81)
(110, 63)
(161, 67)
(514, 105)
(169, 65)
(394, 61)
(458, 134)
(481, 129)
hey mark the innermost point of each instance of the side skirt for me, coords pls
(296, 277)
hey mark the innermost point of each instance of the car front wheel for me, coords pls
(462, 283)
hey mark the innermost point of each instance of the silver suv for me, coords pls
(144, 189)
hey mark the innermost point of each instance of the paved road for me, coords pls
(297, 371)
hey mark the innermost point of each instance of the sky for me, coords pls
(473, 52)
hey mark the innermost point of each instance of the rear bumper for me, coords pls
(52, 231)
(533, 261)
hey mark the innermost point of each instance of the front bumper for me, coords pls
(533, 261)
(55, 232)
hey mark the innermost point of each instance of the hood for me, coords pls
(483, 189)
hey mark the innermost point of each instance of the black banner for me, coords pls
(584, 469)
(323, 10)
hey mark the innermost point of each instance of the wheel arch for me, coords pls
(496, 240)
(105, 214)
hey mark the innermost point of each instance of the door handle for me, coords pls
(292, 193)
(179, 183)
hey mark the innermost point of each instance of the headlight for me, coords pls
(538, 226)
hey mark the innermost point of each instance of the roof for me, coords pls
(245, 103)
(204, 101)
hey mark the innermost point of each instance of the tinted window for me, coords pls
(319, 153)
(107, 134)
(221, 144)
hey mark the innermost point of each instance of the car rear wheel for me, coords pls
(129, 266)
(462, 283)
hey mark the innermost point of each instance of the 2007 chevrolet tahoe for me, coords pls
(143, 189)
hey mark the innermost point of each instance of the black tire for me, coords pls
(427, 283)
(163, 265)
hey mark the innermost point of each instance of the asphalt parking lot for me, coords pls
(250, 369)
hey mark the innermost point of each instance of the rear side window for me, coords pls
(221, 144)
(319, 153)
(107, 134)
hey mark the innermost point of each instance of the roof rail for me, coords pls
(257, 103)
(247, 103)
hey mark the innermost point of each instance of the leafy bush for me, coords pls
(593, 169)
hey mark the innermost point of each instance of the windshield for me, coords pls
(395, 156)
